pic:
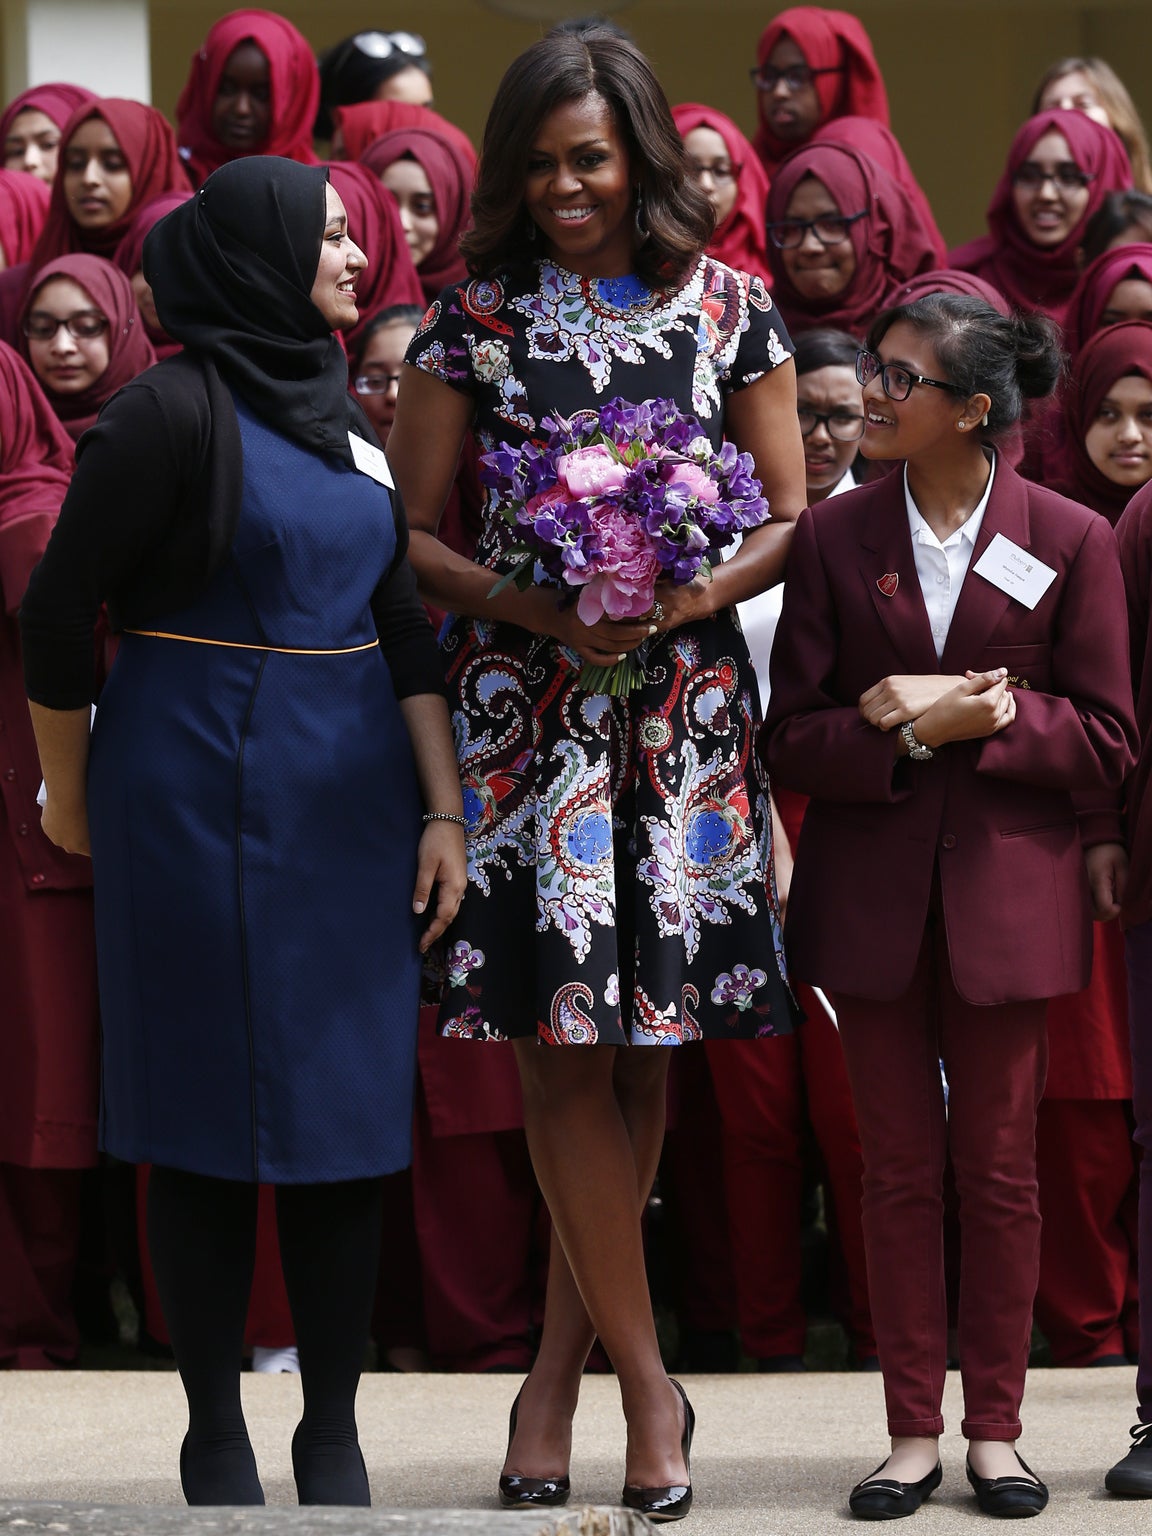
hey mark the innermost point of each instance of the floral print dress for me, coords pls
(620, 885)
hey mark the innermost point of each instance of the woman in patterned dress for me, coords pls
(620, 889)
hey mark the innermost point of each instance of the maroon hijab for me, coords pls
(374, 225)
(947, 280)
(129, 350)
(891, 244)
(35, 469)
(1031, 276)
(23, 209)
(740, 241)
(451, 177)
(1092, 292)
(1104, 358)
(129, 257)
(56, 100)
(879, 143)
(830, 41)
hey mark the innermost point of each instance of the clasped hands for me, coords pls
(609, 640)
(942, 708)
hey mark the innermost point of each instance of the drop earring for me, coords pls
(984, 423)
(642, 231)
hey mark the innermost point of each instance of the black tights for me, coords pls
(202, 1238)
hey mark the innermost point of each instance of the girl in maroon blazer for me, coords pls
(950, 671)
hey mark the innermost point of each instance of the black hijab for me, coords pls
(232, 271)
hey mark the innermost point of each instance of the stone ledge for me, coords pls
(178, 1520)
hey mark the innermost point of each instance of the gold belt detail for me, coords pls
(240, 645)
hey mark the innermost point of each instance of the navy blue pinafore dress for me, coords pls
(254, 818)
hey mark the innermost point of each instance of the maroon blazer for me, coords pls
(996, 816)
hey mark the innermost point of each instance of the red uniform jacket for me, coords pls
(996, 816)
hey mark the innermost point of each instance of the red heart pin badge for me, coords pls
(888, 583)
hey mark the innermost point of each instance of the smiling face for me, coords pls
(1129, 300)
(714, 170)
(408, 183)
(340, 265)
(831, 391)
(579, 191)
(66, 364)
(1119, 441)
(97, 182)
(816, 270)
(32, 144)
(928, 420)
(242, 111)
(1075, 92)
(791, 115)
(1049, 213)
(382, 361)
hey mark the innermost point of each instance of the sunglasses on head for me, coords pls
(382, 45)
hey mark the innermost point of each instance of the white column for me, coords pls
(102, 44)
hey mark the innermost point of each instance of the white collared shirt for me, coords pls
(941, 568)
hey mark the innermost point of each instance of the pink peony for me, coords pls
(591, 471)
(694, 481)
(623, 582)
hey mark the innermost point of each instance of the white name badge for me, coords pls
(1015, 571)
(371, 461)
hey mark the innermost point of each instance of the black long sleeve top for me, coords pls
(148, 520)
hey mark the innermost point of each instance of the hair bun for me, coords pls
(1039, 354)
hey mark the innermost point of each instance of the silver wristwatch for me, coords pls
(916, 749)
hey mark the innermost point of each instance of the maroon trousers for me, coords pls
(768, 1092)
(1087, 1301)
(995, 1058)
(39, 1243)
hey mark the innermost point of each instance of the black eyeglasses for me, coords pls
(795, 77)
(382, 45)
(84, 325)
(841, 426)
(896, 382)
(829, 229)
(375, 383)
(1067, 175)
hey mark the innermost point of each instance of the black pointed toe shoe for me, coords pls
(518, 1492)
(883, 1498)
(1009, 1498)
(673, 1500)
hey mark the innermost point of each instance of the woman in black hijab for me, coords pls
(271, 736)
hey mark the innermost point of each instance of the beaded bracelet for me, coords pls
(457, 821)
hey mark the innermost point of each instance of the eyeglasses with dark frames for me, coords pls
(84, 325)
(829, 229)
(766, 77)
(896, 381)
(1067, 176)
(382, 45)
(841, 426)
(375, 383)
(721, 174)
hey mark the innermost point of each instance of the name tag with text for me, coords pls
(371, 461)
(1015, 571)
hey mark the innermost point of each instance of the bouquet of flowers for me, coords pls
(615, 501)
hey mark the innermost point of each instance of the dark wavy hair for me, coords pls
(564, 67)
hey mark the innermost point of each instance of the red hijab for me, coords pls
(450, 176)
(891, 245)
(828, 40)
(881, 145)
(23, 209)
(947, 280)
(363, 123)
(148, 146)
(129, 350)
(740, 241)
(374, 224)
(294, 92)
(129, 257)
(55, 100)
(1104, 358)
(1031, 276)
(1092, 292)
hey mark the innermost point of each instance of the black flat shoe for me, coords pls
(674, 1500)
(518, 1492)
(884, 1498)
(1131, 1477)
(1009, 1498)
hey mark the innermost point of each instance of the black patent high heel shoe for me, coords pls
(673, 1501)
(518, 1492)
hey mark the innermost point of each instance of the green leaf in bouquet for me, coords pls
(520, 575)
